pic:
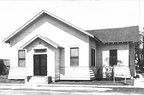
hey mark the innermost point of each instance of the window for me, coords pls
(92, 57)
(21, 58)
(113, 57)
(74, 56)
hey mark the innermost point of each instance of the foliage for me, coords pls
(3, 68)
(139, 54)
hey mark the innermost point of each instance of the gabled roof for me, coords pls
(42, 38)
(37, 16)
(123, 34)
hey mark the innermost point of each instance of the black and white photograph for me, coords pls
(71, 47)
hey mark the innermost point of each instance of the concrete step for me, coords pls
(39, 80)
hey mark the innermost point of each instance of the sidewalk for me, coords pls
(139, 82)
(61, 86)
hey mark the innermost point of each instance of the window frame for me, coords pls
(74, 57)
(22, 59)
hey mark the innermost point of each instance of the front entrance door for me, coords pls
(40, 65)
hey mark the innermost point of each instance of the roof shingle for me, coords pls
(112, 35)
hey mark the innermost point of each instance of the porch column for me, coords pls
(132, 59)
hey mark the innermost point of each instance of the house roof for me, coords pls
(44, 39)
(7, 40)
(123, 34)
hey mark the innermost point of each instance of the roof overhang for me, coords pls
(97, 39)
(119, 42)
(42, 38)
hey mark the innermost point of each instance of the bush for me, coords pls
(3, 68)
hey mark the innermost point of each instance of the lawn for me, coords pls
(4, 79)
(97, 82)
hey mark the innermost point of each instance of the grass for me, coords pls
(4, 79)
(97, 82)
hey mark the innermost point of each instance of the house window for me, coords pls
(74, 56)
(113, 57)
(92, 57)
(21, 58)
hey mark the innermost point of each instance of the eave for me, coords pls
(42, 38)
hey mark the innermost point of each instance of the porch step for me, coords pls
(38, 80)
(127, 72)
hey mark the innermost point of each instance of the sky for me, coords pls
(85, 14)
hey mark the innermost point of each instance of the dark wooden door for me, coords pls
(40, 65)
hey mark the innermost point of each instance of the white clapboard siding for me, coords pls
(77, 73)
(17, 73)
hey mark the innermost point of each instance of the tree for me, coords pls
(139, 54)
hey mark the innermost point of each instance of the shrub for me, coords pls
(3, 68)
